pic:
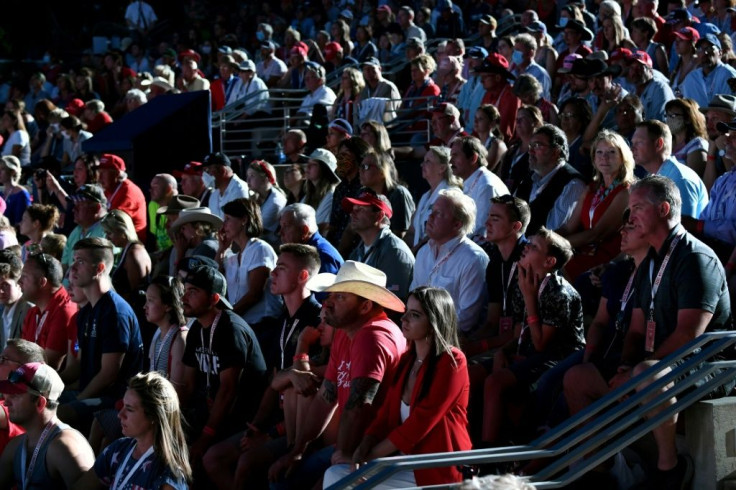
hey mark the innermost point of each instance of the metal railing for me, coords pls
(596, 433)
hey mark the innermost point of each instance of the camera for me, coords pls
(40, 174)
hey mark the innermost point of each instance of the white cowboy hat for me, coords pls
(193, 215)
(360, 279)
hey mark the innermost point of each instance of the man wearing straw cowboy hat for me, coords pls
(365, 351)
(193, 233)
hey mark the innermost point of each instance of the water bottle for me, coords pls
(280, 155)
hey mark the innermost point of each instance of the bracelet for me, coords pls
(301, 357)
(532, 319)
(208, 431)
(711, 158)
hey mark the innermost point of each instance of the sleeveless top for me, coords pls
(160, 351)
(40, 478)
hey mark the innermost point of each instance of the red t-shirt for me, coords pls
(129, 197)
(57, 325)
(12, 430)
(100, 121)
(373, 352)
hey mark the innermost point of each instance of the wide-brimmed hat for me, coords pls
(197, 215)
(328, 159)
(722, 103)
(11, 162)
(179, 203)
(580, 27)
(599, 68)
(359, 279)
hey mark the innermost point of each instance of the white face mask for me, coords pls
(676, 125)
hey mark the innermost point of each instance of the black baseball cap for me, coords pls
(210, 280)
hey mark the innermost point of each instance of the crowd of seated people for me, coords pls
(245, 323)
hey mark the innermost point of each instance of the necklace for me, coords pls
(417, 366)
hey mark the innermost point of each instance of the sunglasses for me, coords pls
(16, 377)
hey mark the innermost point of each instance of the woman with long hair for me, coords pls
(685, 40)
(248, 269)
(37, 222)
(295, 184)
(377, 173)
(515, 164)
(425, 407)
(375, 134)
(689, 136)
(364, 47)
(164, 309)
(593, 227)
(351, 84)
(437, 172)
(486, 129)
(17, 198)
(130, 274)
(153, 453)
(575, 116)
(321, 182)
(261, 178)
(18, 142)
(74, 134)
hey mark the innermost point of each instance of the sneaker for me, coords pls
(679, 477)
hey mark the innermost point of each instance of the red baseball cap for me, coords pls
(331, 50)
(108, 160)
(687, 34)
(75, 107)
(620, 54)
(368, 198)
(642, 57)
(191, 168)
(299, 48)
(190, 53)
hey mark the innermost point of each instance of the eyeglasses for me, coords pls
(567, 115)
(535, 145)
(671, 115)
(16, 377)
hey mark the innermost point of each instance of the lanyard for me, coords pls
(628, 292)
(444, 259)
(209, 349)
(117, 484)
(660, 273)
(283, 340)
(36, 450)
(539, 298)
(475, 182)
(39, 323)
(506, 284)
(109, 201)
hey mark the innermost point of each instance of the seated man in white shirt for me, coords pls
(451, 260)
(319, 93)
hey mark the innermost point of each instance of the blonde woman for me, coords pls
(153, 453)
(261, 178)
(351, 84)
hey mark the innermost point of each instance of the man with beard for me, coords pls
(364, 353)
(228, 185)
(712, 76)
(653, 92)
(223, 363)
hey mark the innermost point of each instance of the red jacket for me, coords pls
(437, 423)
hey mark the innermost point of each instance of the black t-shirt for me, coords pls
(233, 345)
(306, 316)
(498, 271)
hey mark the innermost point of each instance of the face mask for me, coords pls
(563, 21)
(518, 57)
(206, 49)
(260, 36)
(676, 125)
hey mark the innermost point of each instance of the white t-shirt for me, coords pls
(257, 253)
(21, 138)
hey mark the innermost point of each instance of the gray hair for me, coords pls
(661, 189)
(137, 95)
(95, 105)
(169, 179)
(464, 208)
(304, 214)
(526, 40)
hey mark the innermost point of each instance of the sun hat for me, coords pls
(328, 159)
(359, 279)
(196, 215)
(723, 103)
(179, 203)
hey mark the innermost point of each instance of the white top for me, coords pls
(257, 253)
(21, 138)
(275, 68)
(323, 95)
(459, 266)
(481, 186)
(235, 189)
(258, 102)
(8, 321)
(424, 209)
(405, 411)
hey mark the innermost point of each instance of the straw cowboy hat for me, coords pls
(360, 279)
(196, 215)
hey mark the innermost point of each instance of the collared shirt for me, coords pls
(701, 87)
(654, 97)
(692, 190)
(392, 255)
(56, 322)
(459, 266)
(8, 321)
(235, 189)
(423, 211)
(481, 186)
(536, 70)
(720, 213)
(565, 203)
(257, 92)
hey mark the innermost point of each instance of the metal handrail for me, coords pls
(583, 435)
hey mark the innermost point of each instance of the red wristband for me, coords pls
(532, 319)
(711, 158)
(301, 357)
(207, 430)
